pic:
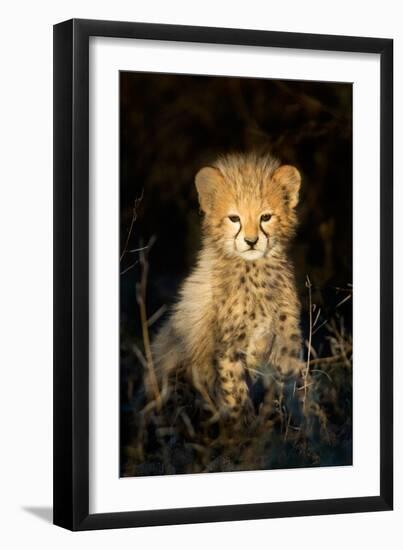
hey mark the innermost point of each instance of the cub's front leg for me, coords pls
(285, 353)
(274, 356)
(233, 391)
(285, 380)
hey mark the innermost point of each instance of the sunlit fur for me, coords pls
(245, 187)
(238, 311)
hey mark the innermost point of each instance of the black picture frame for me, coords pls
(71, 274)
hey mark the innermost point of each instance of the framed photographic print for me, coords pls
(222, 274)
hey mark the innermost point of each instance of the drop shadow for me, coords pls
(45, 513)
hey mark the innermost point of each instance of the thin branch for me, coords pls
(155, 316)
(322, 372)
(128, 268)
(134, 218)
(288, 426)
(330, 360)
(304, 387)
(141, 292)
(317, 317)
(306, 373)
(343, 301)
(137, 249)
(139, 354)
(319, 327)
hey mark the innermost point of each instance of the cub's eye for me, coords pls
(234, 219)
(265, 217)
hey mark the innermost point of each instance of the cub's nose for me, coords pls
(251, 241)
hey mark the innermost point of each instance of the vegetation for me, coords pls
(299, 422)
(171, 125)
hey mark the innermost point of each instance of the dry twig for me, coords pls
(306, 372)
(134, 218)
(141, 292)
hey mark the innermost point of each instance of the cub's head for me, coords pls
(249, 204)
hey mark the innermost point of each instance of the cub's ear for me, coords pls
(207, 180)
(289, 179)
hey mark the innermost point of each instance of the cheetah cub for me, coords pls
(237, 316)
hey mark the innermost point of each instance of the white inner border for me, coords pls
(108, 492)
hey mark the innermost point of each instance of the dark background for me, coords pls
(172, 125)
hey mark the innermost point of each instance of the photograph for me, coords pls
(235, 274)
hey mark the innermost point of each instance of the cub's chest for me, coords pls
(245, 305)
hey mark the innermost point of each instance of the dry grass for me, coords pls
(299, 421)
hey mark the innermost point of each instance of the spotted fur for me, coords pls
(237, 315)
